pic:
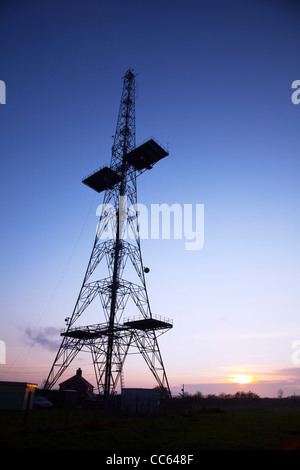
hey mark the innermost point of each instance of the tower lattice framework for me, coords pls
(110, 341)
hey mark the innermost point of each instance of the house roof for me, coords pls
(77, 382)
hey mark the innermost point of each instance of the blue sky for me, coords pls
(214, 85)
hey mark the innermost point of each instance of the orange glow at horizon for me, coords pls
(241, 379)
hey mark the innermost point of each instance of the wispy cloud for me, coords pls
(291, 373)
(48, 338)
(241, 335)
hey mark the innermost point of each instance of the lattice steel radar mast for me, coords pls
(109, 342)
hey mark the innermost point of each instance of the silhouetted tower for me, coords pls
(109, 342)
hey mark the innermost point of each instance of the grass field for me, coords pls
(245, 428)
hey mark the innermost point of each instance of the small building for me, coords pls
(84, 389)
(16, 395)
(140, 401)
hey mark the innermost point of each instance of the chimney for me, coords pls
(79, 372)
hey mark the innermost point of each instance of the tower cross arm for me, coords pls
(140, 159)
(146, 155)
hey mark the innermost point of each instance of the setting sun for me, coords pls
(241, 379)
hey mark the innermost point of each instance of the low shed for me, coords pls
(16, 395)
(140, 401)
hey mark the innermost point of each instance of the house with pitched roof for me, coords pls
(84, 389)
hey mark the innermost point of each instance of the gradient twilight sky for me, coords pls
(214, 85)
